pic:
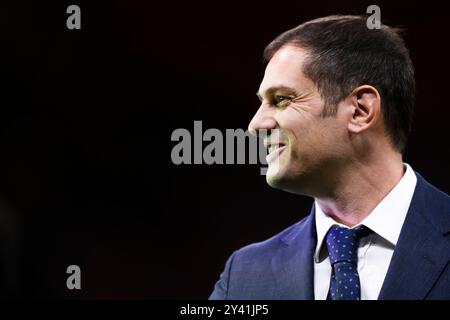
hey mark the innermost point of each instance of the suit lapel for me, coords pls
(292, 264)
(422, 251)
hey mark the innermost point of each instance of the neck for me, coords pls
(360, 188)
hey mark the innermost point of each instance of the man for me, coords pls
(340, 97)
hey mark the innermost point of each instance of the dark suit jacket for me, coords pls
(282, 266)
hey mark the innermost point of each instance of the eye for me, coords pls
(282, 100)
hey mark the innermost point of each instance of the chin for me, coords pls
(283, 179)
(276, 177)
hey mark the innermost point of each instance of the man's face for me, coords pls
(307, 146)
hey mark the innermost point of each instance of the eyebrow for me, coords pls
(272, 90)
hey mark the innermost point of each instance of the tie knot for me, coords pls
(343, 243)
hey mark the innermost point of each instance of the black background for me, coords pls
(86, 118)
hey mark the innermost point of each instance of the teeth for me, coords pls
(273, 147)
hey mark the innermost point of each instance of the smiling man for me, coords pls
(340, 97)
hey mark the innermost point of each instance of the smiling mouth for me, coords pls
(274, 147)
(274, 152)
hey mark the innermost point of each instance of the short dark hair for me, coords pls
(344, 53)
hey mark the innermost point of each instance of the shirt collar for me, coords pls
(386, 220)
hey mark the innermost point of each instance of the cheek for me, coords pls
(309, 136)
(332, 139)
(292, 123)
(312, 140)
(301, 142)
(294, 128)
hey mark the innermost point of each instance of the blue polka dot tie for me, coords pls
(342, 246)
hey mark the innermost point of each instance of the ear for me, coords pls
(366, 108)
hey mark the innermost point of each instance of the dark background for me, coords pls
(86, 118)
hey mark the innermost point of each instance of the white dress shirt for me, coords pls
(374, 251)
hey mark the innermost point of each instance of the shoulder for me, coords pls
(431, 194)
(433, 204)
(248, 271)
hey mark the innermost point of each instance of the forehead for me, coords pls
(285, 69)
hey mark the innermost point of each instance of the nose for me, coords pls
(263, 119)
